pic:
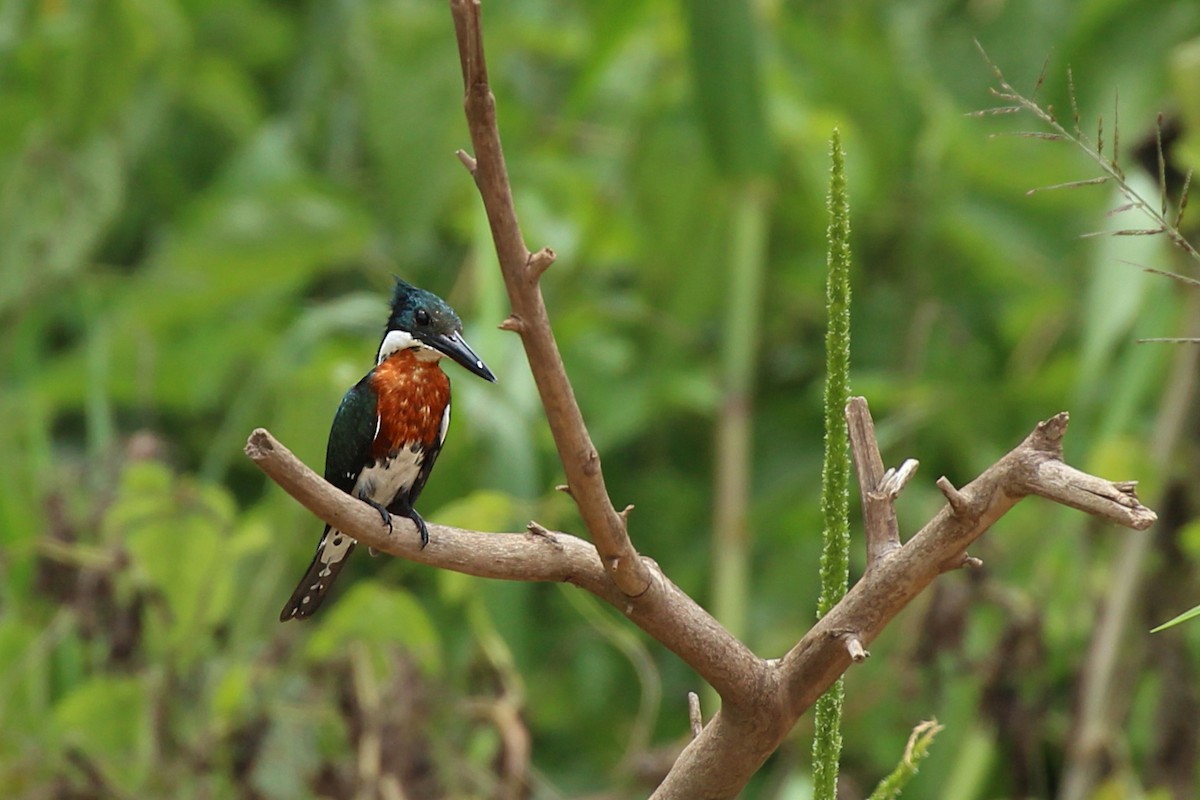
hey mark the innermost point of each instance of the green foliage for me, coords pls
(727, 87)
(377, 618)
(1119, 308)
(201, 205)
(183, 551)
(108, 719)
(915, 752)
(723, 49)
(1184, 617)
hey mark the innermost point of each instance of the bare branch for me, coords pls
(879, 514)
(854, 647)
(959, 506)
(537, 529)
(718, 762)
(666, 612)
(1115, 501)
(961, 561)
(695, 718)
(512, 323)
(539, 262)
(467, 160)
(894, 480)
(761, 699)
(521, 269)
(1070, 185)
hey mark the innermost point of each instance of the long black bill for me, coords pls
(455, 346)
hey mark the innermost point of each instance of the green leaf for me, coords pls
(232, 694)
(1184, 617)
(106, 719)
(381, 618)
(178, 535)
(24, 673)
(915, 752)
(723, 49)
(480, 511)
(1185, 84)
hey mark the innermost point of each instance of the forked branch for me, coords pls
(761, 699)
(718, 762)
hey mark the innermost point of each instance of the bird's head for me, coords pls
(423, 321)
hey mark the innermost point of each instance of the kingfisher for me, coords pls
(389, 428)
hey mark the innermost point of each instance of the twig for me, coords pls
(895, 479)
(761, 699)
(667, 613)
(854, 647)
(521, 271)
(736, 741)
(879, 512)
(1110, 167)
(959, 505)
(695, 718)
(1101, 700)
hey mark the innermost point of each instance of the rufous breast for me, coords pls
(413, 394)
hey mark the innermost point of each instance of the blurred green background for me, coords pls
(202, 203)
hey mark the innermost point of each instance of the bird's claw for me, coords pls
(411, 513)
(421, 528)
(384, 514)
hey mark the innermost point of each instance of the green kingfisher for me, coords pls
(389, 428)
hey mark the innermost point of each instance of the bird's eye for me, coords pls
(422, 316)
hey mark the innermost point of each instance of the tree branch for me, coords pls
(522, 271)
(665, 612)
(761, 699)
(718, 762)
(879, 512)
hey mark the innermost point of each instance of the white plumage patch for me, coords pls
(403, 340)
(445, 425)
(380, 481)
(333, 548)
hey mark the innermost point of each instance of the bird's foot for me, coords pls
(421, 526)
(384, 514)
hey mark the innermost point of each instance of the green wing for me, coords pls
(350, 437)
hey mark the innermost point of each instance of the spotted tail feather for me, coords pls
(332, 552)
